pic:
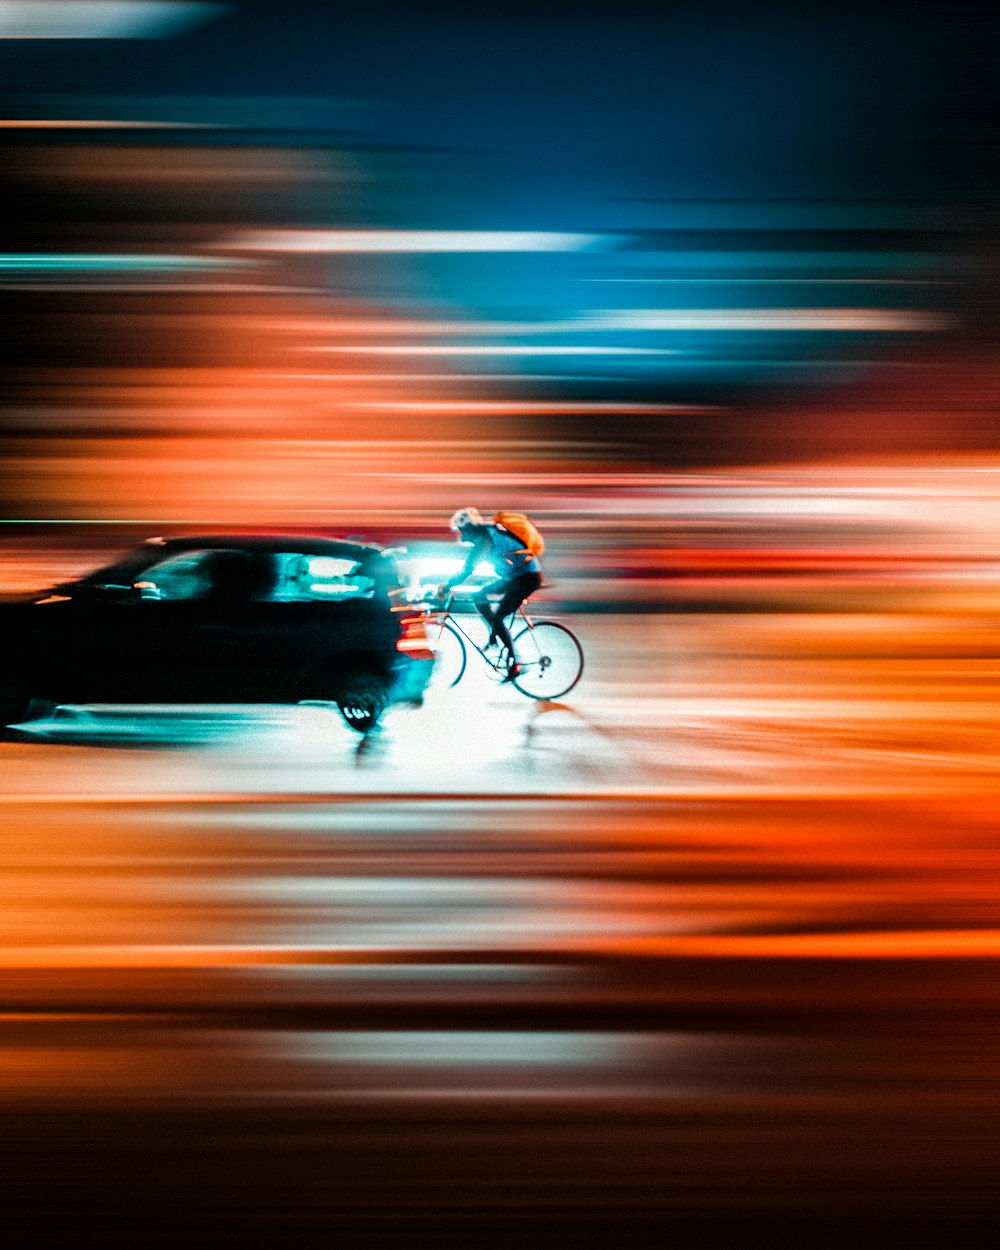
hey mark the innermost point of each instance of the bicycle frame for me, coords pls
(445, 615)
(533, 674)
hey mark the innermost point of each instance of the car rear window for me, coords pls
(323, 578)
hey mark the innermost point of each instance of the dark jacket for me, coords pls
(504, 551)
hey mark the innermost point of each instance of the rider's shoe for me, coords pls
(513, 672)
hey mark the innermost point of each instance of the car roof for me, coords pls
(297, 543)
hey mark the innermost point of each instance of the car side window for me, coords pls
(185, 576)
(225, 576)
(319, 578)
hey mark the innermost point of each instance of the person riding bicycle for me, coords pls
(519, 574)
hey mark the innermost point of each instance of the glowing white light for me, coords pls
(838, 319)
(427, 567)
(509, 1049)
(102, 19)
(331, 566)
(414, 241)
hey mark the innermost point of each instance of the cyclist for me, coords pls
(519, 574)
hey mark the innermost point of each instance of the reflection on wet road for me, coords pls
(713, 942)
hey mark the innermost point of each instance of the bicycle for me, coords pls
(549, 653)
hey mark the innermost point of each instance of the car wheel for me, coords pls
(362, 698)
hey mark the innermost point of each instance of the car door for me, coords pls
(204, 632)
(285, 640)
(80, 647)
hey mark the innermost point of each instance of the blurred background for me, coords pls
(711, 292)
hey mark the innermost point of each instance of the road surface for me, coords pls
(707, 948)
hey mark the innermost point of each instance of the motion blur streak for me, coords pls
(413, 241)
(706, 951)
(102, 19)
(782, 955)
(633, 1056)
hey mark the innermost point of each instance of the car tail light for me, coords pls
(413, 640)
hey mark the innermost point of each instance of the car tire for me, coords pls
(362, 698)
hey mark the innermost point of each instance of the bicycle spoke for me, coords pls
(551, 660)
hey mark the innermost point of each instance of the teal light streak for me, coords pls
(54, 262)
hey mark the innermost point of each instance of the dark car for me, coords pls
(219, 619)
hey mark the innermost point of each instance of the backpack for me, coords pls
(523, 529)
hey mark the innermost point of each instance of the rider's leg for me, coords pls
(515, 593)
(485, 608)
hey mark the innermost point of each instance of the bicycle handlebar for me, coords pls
(433, 602)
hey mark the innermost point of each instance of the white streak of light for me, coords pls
(508, 1049)
(102, 19)
(840, 319)
(413, 241)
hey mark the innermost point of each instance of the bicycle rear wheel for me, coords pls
(551, 660)
(449, 654)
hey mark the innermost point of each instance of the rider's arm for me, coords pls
(476, 552)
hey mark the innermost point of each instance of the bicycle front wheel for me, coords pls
(551, 660)
(449, 654)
